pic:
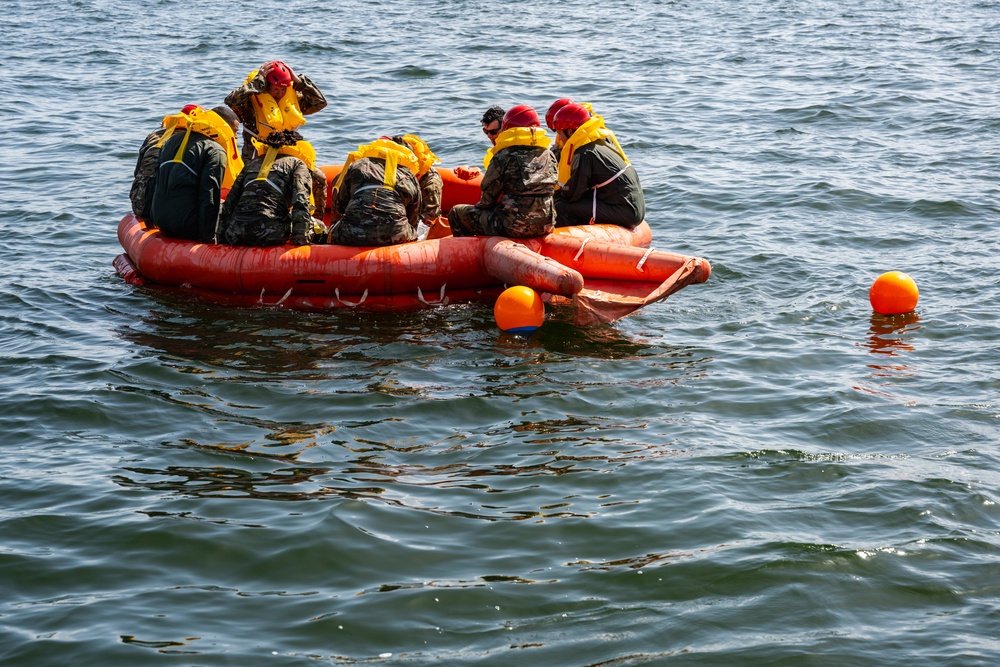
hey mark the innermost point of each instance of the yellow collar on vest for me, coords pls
(302, 149)
(587, 133)
(385, 149)
(425, 158)
(213, 126)
(517, 136)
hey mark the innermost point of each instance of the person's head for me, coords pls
(567, 120)
(553, 109)
(229, 116)
(278, 78)
(520, 116)
(492, 120)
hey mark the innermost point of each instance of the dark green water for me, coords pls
(757, 471)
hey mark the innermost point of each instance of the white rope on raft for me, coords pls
(441, 298)
(580, 251)
(282, 299)
(638, 267)
(364, 296)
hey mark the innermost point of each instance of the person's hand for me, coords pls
(467, 173)
(295, 77)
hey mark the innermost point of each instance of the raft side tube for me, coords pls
(514, 263)
(595, 259)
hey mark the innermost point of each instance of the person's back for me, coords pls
(269, 202)
(619, 201)
(193, 167)
(376, 208)
(597, 184)
(517, 188)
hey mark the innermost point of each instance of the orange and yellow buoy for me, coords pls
(893, 293)
(519, 310)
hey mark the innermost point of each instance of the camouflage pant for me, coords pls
(469, 220)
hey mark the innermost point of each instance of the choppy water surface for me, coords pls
(756, 472)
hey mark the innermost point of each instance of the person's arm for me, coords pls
(319, 193)
(311, 99)
(239, 100)
(298, 189)
(492, 184)
(579, 179)
(232, 201)
(213, 168)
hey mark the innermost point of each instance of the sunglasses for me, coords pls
(492, 133)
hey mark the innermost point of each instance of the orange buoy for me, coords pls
(893, 293)
(519, 310)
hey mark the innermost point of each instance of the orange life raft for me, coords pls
(603, 271)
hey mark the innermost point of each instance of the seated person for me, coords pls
(194, 167)
(597, 184)
(273, 98)
(517, 188)
(376, 199)
(269, 202)
(550, 116)
(141, 194)
(431, 184)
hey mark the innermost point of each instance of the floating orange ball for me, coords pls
(893, 293)
(519, 310)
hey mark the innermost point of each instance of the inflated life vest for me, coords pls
(517, 136)
(213, 126)
(302, 150)
(425, 158)
(386, 149)
(587, 133)
(273, 115)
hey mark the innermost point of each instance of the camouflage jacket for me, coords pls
(269, 212)
(145, 167)
(517, 187)
(240, 101)
(372, 214)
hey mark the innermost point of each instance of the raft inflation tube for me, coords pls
(603, 272)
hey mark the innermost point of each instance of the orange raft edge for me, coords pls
(603, 272)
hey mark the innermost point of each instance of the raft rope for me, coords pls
(364, 296)
(442, 300)
(580, 251)
(593, 211)
(638, 267)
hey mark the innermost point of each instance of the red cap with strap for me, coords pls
(570, 117)
(556, 106)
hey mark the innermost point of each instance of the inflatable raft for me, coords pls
(602, 272)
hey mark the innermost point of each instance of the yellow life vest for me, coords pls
(517, 136)
(276, 115)
(213, 126)
(302, 149)
(587, 133)
(386, 149)
(425, 158)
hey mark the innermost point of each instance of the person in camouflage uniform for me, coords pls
(146, 164)
(431, 184)
(367, 211)
(273, 210)
(240, 100)
(517, 187)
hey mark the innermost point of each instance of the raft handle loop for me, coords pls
(364, 296)
(442, 300)
(282, 299)
(582, 246)
(638, 267)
